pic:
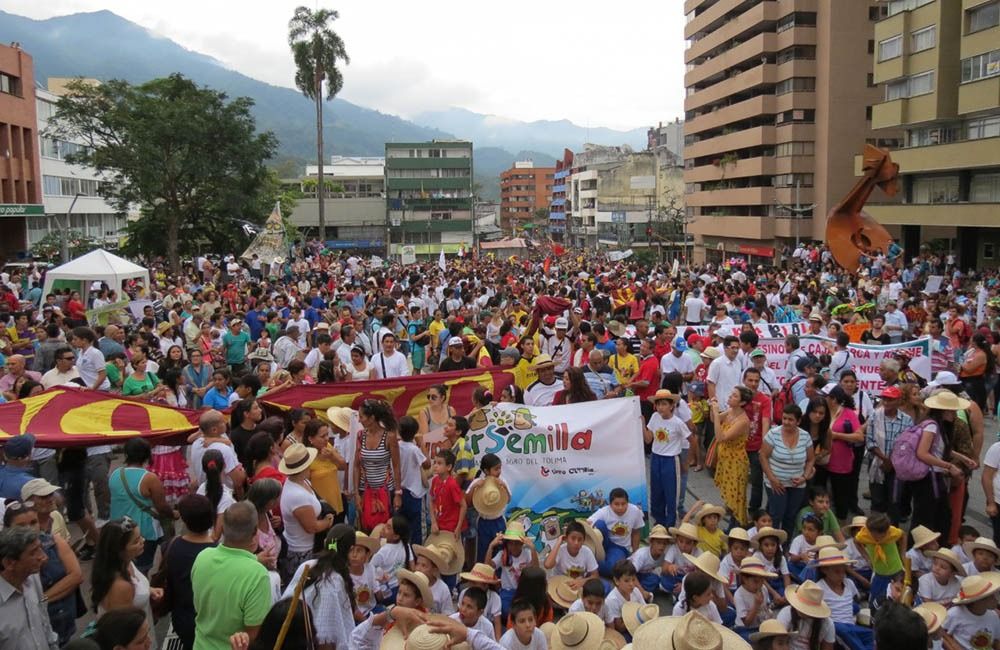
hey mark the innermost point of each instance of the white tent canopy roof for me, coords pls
(97, 266)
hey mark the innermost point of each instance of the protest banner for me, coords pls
(617, 256)
(116, 313)
(764, 330)
(562, 462)
(407, 395)
(71, 417)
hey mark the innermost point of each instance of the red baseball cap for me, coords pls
(891, 392)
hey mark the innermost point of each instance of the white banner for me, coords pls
(562, 462)
(617, 256)
(408, 254)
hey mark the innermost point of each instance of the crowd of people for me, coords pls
(361, 541)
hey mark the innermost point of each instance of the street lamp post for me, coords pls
(64, 237)
(797, 211)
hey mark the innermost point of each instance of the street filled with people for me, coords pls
(842, 488)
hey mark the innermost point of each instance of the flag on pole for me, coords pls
(441, 263)
(547, 264)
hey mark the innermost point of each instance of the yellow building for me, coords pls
(939, 62)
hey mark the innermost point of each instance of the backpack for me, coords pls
(904, 454)
(784, 398)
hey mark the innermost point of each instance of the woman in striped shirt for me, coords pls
(786, 457)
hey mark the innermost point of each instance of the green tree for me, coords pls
(49, 247)
(189, 158)
(317, 49)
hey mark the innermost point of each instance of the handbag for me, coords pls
(160, 579)
(374, 507)
(711, 455)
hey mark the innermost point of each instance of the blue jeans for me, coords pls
(664, 486)
(855, 637)
(412, 509)
(612, 552)
(683, 458)
(784, 507)
(506, 598)
(486, 531)
(650, 582)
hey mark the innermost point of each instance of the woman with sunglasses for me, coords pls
(435, 415)
(61, 575)
(115, 580)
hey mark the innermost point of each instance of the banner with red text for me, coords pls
(407, 395)
(72, 417)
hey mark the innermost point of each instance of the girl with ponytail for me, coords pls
(329, 591)
(396, 554)
(221, 496)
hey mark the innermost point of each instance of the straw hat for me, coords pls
(515, 532)
(593, 539)
(613, 640)
(490, 499)
(686, 529)
(861, 521)
(826, 541)
(949, 556)
(977, 587)
(807, 599)
(548, 628)
(340, 417)
(379, 531)
(709, 509)
(933, 615)
(561, 592)
(689, 632)
(395, 638)
(945, 400)
(984, 544)
(768, 531)
(163, 327)
(634, 615)
(373, 544)
(770, 627)
(443, 557)
(421, 638)
(541, 360)
(482, 573)
(709, 563)
(616, 328)
(578, 631)
(753, 566)
(829, 556)
(922, 536)
(663, 393)
(739, 534)
(659, 532)
(297, 459)
(711, 352)
(420, 581)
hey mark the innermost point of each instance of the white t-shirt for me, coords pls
(725, 375)
(410, 460)
(510, 576)
(229, 460)
(992, 460)
(387, 366)
(365, 589)
(387, 561)
(708, 610)
(615, 600)
(493, 607)
(841, 605)
(620, 527)
(575, 567)
(539, 394)
(668, 435)
(90, 363)
(693, 308)
(224, 502)
(670, 362)
(799, 545)
(644, 562)
(782, 569)
(295, 496)
(963, 626)
(800, 638)
(442, 598)
(510, 641)
(729, 569)
(605, 615)
(55, 378)
(930, 590)
(744, 602)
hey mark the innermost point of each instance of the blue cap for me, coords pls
(19, 446)
(680, 344)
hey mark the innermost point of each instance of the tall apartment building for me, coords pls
(779, 95)
(559, 228)
(940, 63)
(354, 202)
(524, 188)
(429, 195)
(20, 189)
(669, 135)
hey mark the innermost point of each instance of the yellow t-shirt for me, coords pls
(524, 375)
(625, 367)
(435, 329)
(711, 542)
(324, 476)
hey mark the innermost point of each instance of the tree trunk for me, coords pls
(320, 187)
(173, 237)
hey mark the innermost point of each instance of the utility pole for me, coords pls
(797, 211)
(64, 236)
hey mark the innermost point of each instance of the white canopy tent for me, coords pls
(95, 266)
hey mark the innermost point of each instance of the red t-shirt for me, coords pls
(649, 370)
(759, 406)
(446, 499)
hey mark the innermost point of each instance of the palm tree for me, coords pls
(317, 49)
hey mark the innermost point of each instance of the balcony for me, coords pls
(758, 76)
(429, 204)
(761, 13)
(428, 163)
(701, 22)
(740, 169)
(909, 110)
(762, 104)
(950, 214)
(751, 49)
(730, 197)
(953, 156)
(754, 137)
(559, 189)
(980, 95)
(734, 227)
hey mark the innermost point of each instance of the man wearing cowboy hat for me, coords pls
(542, 391)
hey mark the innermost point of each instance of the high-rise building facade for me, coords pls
(779, 96)
(20, 172)
(429, 196)
(939, 61)
(524, 189)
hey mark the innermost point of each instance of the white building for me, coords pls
(69, 189)
(354, 203)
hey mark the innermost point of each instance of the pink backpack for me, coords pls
(904, 454)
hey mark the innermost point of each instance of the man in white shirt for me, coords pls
(694, 308)
(725, 373)
(296, 319)
(542, 392)
(558, 346)
(389, 363)
(213, 431)
(64, 371)
(895, 322)
(677, 361)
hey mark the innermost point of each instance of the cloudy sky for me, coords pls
(597, 63)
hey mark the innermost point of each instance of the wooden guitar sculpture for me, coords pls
(851, 233)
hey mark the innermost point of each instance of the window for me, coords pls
(923, 39)
(795, 84)
(791, 180)
(937, 189)
(50, 186)
(794, 149)
(797, 115)
(988, 250)
(934, 135)
(918, 84)
(796, 19)
(797, 53)
(440, 216)
(986, 127)
(983, 17)
(890, 48)
(10, 84)
(981, 66)
(985, 188)
(878, 12)
(899, 6)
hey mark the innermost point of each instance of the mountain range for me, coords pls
(103, 45)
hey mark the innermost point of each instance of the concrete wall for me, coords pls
(339, 212)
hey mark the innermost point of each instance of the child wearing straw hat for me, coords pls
(842, 596)
(861, 571)
(698, 597)
(676, 564)
(706, 517)
(807, 618)
(363, 573)
(666, 433)
(985, 556)
(517, 552)
(739, 547)
(708, 564)
(620, 523)
(973, 622)
(941, 584)
(925, 542)
(489, 495)
(772, 635)
(752, 600)
(431, 561)
(884, 545)
(648, 560)
(483, 576)
(768, 542)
